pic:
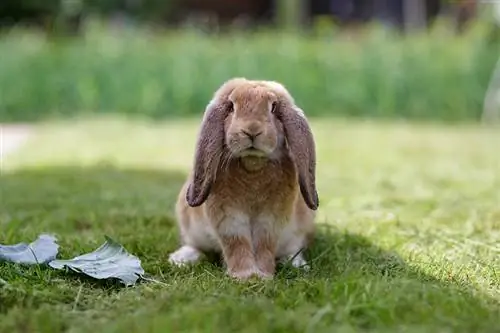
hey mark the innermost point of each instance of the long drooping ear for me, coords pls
(302, 146)
(210, 145)
(209, 150)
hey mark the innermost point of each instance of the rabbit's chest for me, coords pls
(270, 188)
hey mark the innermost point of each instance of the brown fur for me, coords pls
(241, 201)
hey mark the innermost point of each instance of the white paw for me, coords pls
(297, 261)
(300, 262)
(184, 255)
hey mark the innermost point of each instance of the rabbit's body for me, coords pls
(248, 203)
(232, 193)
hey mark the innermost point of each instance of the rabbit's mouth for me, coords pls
(252, 151)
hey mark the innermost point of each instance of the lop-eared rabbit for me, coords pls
(251, 194)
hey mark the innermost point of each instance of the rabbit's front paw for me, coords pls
(184, 255)
(297, 261)
(248, 274)
(244, 274)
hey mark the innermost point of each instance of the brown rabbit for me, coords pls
(251, 194)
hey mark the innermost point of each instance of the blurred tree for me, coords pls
(28, 12)
(65, 16)
(156, 11)
(414, 14)
(290, 13)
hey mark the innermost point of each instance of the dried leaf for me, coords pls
(110, 260)
(43, 250)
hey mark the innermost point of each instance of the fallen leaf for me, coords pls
(110, 260)
(43, 250)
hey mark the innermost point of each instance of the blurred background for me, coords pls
(410, 59)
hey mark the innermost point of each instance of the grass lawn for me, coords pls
(408, 241)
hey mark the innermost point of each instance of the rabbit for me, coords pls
(251, 195)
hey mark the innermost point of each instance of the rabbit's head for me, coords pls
(252, 118)
(251, 127)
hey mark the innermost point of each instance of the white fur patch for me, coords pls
(300, 262)
(236, 224)
(265, 226)
(184, 255)
(296, 260)
(202, 236)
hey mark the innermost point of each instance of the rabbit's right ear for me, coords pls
(209, 150)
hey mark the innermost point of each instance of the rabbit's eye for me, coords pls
(273, 107)
(231, 107)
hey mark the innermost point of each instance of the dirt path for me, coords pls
(12, 137)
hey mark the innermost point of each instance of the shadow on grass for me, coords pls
(372, 285)
(351, 279)
(82, 204)
(85, 194)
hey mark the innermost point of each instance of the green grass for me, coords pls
(377, 74)
(409, 233)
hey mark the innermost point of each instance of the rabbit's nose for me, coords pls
(251, 135)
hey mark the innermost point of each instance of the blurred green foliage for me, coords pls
(433, 75)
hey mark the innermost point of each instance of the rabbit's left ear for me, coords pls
(302, 146)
